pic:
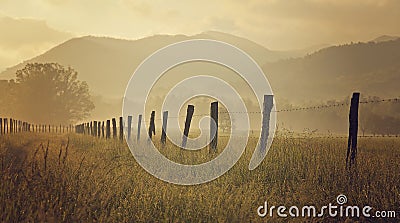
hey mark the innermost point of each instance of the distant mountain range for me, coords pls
(372, 68)
(107, 63)
(385, 38)
(316, 73)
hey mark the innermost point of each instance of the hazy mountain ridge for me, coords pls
(385, 38)
(372, 68)
(332, 72)
(107, 63)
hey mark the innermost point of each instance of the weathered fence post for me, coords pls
(129, 126)
(121, 129)
(11, 126)
(108, 130)
(353, 130)
(1, 126)
(91, 129)
(266, 116)
(152, 127)
(5, 125)
(114, 127)
(138, 129)
(102, 129)
(214, 126)
(98, 129)
(94, 128)
(164, 127)
(189, 115)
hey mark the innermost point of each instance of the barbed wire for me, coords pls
(318, 137)
(316, 107)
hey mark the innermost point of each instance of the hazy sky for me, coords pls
(29, 27)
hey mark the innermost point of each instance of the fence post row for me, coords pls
(353, 130)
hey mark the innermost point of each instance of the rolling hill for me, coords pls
(107, 63)
(298, 76)
(334, 72)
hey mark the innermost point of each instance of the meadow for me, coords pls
(78, 178)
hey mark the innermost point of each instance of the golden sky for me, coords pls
(31, 27)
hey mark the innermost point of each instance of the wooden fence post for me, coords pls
(129, 126)
(108, 130)
(121, 129)
(114, 127)
(189, 115)
(266, 116)
(94, 128)
(138, 129)
(11, 126)
(353, 130)
(98, 129)
(152, 127)
(102, 129)
(164, 127)
(91, 129)
(1, 126)
(5, 125)
(214, 126)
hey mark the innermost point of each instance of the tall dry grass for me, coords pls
(79, 178)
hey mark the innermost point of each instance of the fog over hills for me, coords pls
(107, 63)
(298, 76)
(334, 72)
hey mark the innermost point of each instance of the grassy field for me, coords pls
(78, 178)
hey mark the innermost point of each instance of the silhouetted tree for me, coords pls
(51, 93)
